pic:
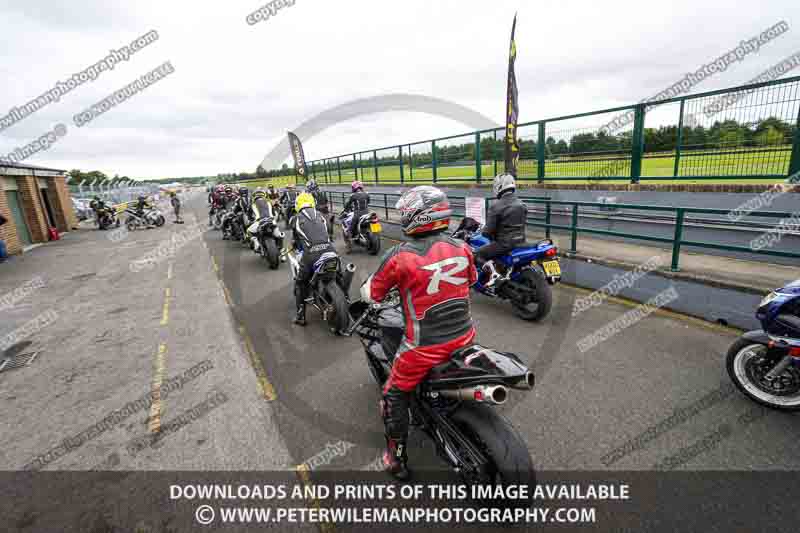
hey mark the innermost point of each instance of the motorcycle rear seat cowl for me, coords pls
(479, 361)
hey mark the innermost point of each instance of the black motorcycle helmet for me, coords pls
(244, 192)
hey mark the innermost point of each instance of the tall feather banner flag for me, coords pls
(296, 148)
(512, 109)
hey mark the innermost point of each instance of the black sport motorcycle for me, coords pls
(277, 208)
(365, 232)
(453, 404)
(267, 240)
(216, 216)
(232, 228)
(330, 285)
(107, 217)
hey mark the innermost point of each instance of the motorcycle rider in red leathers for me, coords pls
(433, 274)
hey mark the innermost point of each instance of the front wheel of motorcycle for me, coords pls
(270, 251)
(748, 365)
(339, 317)
(510, 461)
(160, 221)
(374, 243)
(536, 308)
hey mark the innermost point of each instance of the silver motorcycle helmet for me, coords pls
(503, 183)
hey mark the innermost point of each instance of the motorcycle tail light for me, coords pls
(795, 352)
(374, 218)
(551, 252)
(478, 395)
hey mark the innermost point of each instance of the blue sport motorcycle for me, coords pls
(526, 273)
(765, 364)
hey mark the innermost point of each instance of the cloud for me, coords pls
(237, 88)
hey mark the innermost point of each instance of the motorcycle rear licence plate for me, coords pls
(375, 227)
(552, 268)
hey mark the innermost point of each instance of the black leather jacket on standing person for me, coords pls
(505, 222)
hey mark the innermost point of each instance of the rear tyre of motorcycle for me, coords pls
(510, 461)
(374, 243)
(160, 221)
(736, 360)
(339, 320)
(379, 374)
(130, 225)
(544, 298)
(270, 251)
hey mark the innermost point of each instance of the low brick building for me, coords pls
(33, 199)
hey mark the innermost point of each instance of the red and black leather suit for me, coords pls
(433, 275)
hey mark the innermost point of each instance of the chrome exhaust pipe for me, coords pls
(347, 277)
(526, 383)
(494, 394)
(530, 380)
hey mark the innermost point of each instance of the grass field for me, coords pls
(656, 169)
(281, 181)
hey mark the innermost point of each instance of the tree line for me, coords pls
(771, 131)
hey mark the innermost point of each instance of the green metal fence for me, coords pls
(541, 211)
(750, 132)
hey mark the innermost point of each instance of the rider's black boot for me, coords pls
(395, 459)
(394, 409)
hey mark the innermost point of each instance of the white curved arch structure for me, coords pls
(378, 104)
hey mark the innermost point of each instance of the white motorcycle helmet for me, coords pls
(502, 183)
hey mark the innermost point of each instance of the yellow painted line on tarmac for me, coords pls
(227, 293)
(267, 390)
(214, 264)
(303, 475)
(663, 312)
(154, 421)
(165, 310)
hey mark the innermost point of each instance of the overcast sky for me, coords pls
(238, 87)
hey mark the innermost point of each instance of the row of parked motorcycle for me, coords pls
(108, 217)
(331, 281)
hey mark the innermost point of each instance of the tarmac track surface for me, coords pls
(584, 408)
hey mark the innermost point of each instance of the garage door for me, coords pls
(19, 219)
